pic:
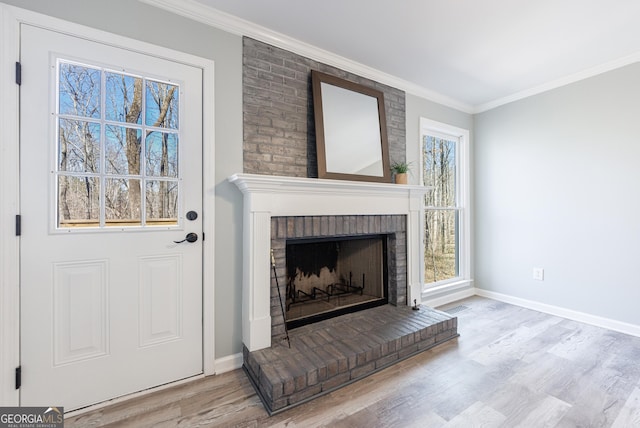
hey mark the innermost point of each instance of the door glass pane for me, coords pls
(79, 90)
(122, 202)
(123, 98)
(441, 249)
(78, 146)
(162, 154)
(439, 172)
(122, 150)
(78, 201)
(162, 202)
(161, 108)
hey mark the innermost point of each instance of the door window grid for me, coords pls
(106, 173)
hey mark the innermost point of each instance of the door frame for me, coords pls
(11, 18)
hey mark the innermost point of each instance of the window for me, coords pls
(117, 149)
(444, 170)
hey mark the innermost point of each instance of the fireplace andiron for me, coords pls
(335, 289)
(284, 317)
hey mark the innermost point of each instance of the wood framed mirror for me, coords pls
(351, 130)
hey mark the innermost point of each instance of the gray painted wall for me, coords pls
(139, 21)
(416, 108)
(556, 186)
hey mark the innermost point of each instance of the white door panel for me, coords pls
(107, 308)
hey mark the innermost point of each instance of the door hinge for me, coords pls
(18, 377)
(18, 225)
(18, 74)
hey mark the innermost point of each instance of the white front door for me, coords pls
(110, 177)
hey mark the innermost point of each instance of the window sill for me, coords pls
(449, 292)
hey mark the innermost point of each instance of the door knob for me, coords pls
(191, 237)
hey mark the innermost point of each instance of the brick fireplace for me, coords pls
(318, 358)
(282, 207)
(279, 207)
(344, 231)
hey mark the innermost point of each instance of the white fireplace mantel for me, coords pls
(268, 196)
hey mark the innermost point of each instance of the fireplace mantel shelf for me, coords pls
(249, 183)
(267, 196)
(283, 196)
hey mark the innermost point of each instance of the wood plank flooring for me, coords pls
(510, 367)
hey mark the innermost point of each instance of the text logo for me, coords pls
(31, 417)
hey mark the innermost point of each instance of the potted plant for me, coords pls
(400, 170)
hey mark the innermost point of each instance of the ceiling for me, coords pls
(476, 54)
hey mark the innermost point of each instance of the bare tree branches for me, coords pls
(97, 104)
(439, 160)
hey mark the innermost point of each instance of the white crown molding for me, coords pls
(198, 12)
(563, 81)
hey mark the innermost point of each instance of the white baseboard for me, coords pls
(228, 363)
(619, 326)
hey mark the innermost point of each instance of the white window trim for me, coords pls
(11, 18)
(54, 221)
(431, 127)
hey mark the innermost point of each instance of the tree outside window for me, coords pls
(441, 214)
(444, 155)
(117, 148)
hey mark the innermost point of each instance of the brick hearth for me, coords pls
(333, 353)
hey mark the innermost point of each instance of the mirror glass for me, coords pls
(350, 130)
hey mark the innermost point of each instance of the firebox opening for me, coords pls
(328, 277)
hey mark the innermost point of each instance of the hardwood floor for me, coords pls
(510, 367)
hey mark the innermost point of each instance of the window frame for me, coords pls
(102, 175)
(462, 205)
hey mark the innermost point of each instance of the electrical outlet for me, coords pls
(538, 274)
